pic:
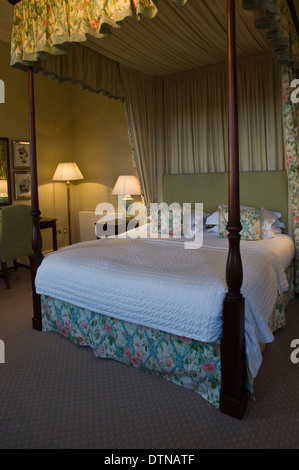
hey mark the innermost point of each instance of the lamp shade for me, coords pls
(3, 186)
(126, 185)
(67, 172)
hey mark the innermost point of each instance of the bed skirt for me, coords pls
(193, 364)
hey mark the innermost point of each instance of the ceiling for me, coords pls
(190, 46)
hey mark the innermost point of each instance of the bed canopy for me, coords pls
(131, 50)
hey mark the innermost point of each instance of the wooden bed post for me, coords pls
(233, 399)
(37, 257)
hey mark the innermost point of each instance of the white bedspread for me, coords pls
(159, 284)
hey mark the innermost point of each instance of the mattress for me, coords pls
(160, 284)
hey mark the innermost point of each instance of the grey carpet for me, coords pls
(56, 395)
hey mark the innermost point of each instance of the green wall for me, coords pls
(100, 146)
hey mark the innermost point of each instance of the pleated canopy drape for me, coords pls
(47, 25)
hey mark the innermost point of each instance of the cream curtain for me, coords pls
(86, 67)
(144, 123)
(178, 124)
(291, 126)
(196, 117)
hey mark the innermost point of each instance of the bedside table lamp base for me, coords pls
(128, 200)
(125, 186)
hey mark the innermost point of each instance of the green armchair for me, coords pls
(15, 237)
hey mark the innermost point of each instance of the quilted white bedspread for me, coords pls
(159, 284)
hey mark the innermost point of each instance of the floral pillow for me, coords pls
(250, 221)
(167, 222)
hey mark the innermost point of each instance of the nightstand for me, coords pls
(113, 227)
(50, 223)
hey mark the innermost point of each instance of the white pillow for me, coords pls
(275, 230)
(268, 219)
(192, 221)
(214, 229)
(213, 219)
(196, 215)
(277, 226)
(266, 234)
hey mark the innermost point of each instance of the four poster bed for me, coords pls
(188, 320)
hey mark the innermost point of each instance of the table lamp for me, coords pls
(68, 172)
(126, 186)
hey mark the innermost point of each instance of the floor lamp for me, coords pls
(68, 172)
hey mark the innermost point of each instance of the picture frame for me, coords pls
(21, 155)
(5, 185)
(22, 183)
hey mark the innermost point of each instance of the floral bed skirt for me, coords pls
(190, 363)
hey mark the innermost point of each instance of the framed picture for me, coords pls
(5, 186)
(22, 185)
(21, 155)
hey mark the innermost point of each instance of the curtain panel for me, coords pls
(81, 65)
(291, 122)
(281, 32)
(144, 121)
(196, 116)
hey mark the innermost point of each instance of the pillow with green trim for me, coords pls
(250, 221)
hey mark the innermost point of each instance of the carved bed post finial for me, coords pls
(37, 257)
(233, 395)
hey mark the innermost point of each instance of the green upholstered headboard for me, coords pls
(259, 188)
